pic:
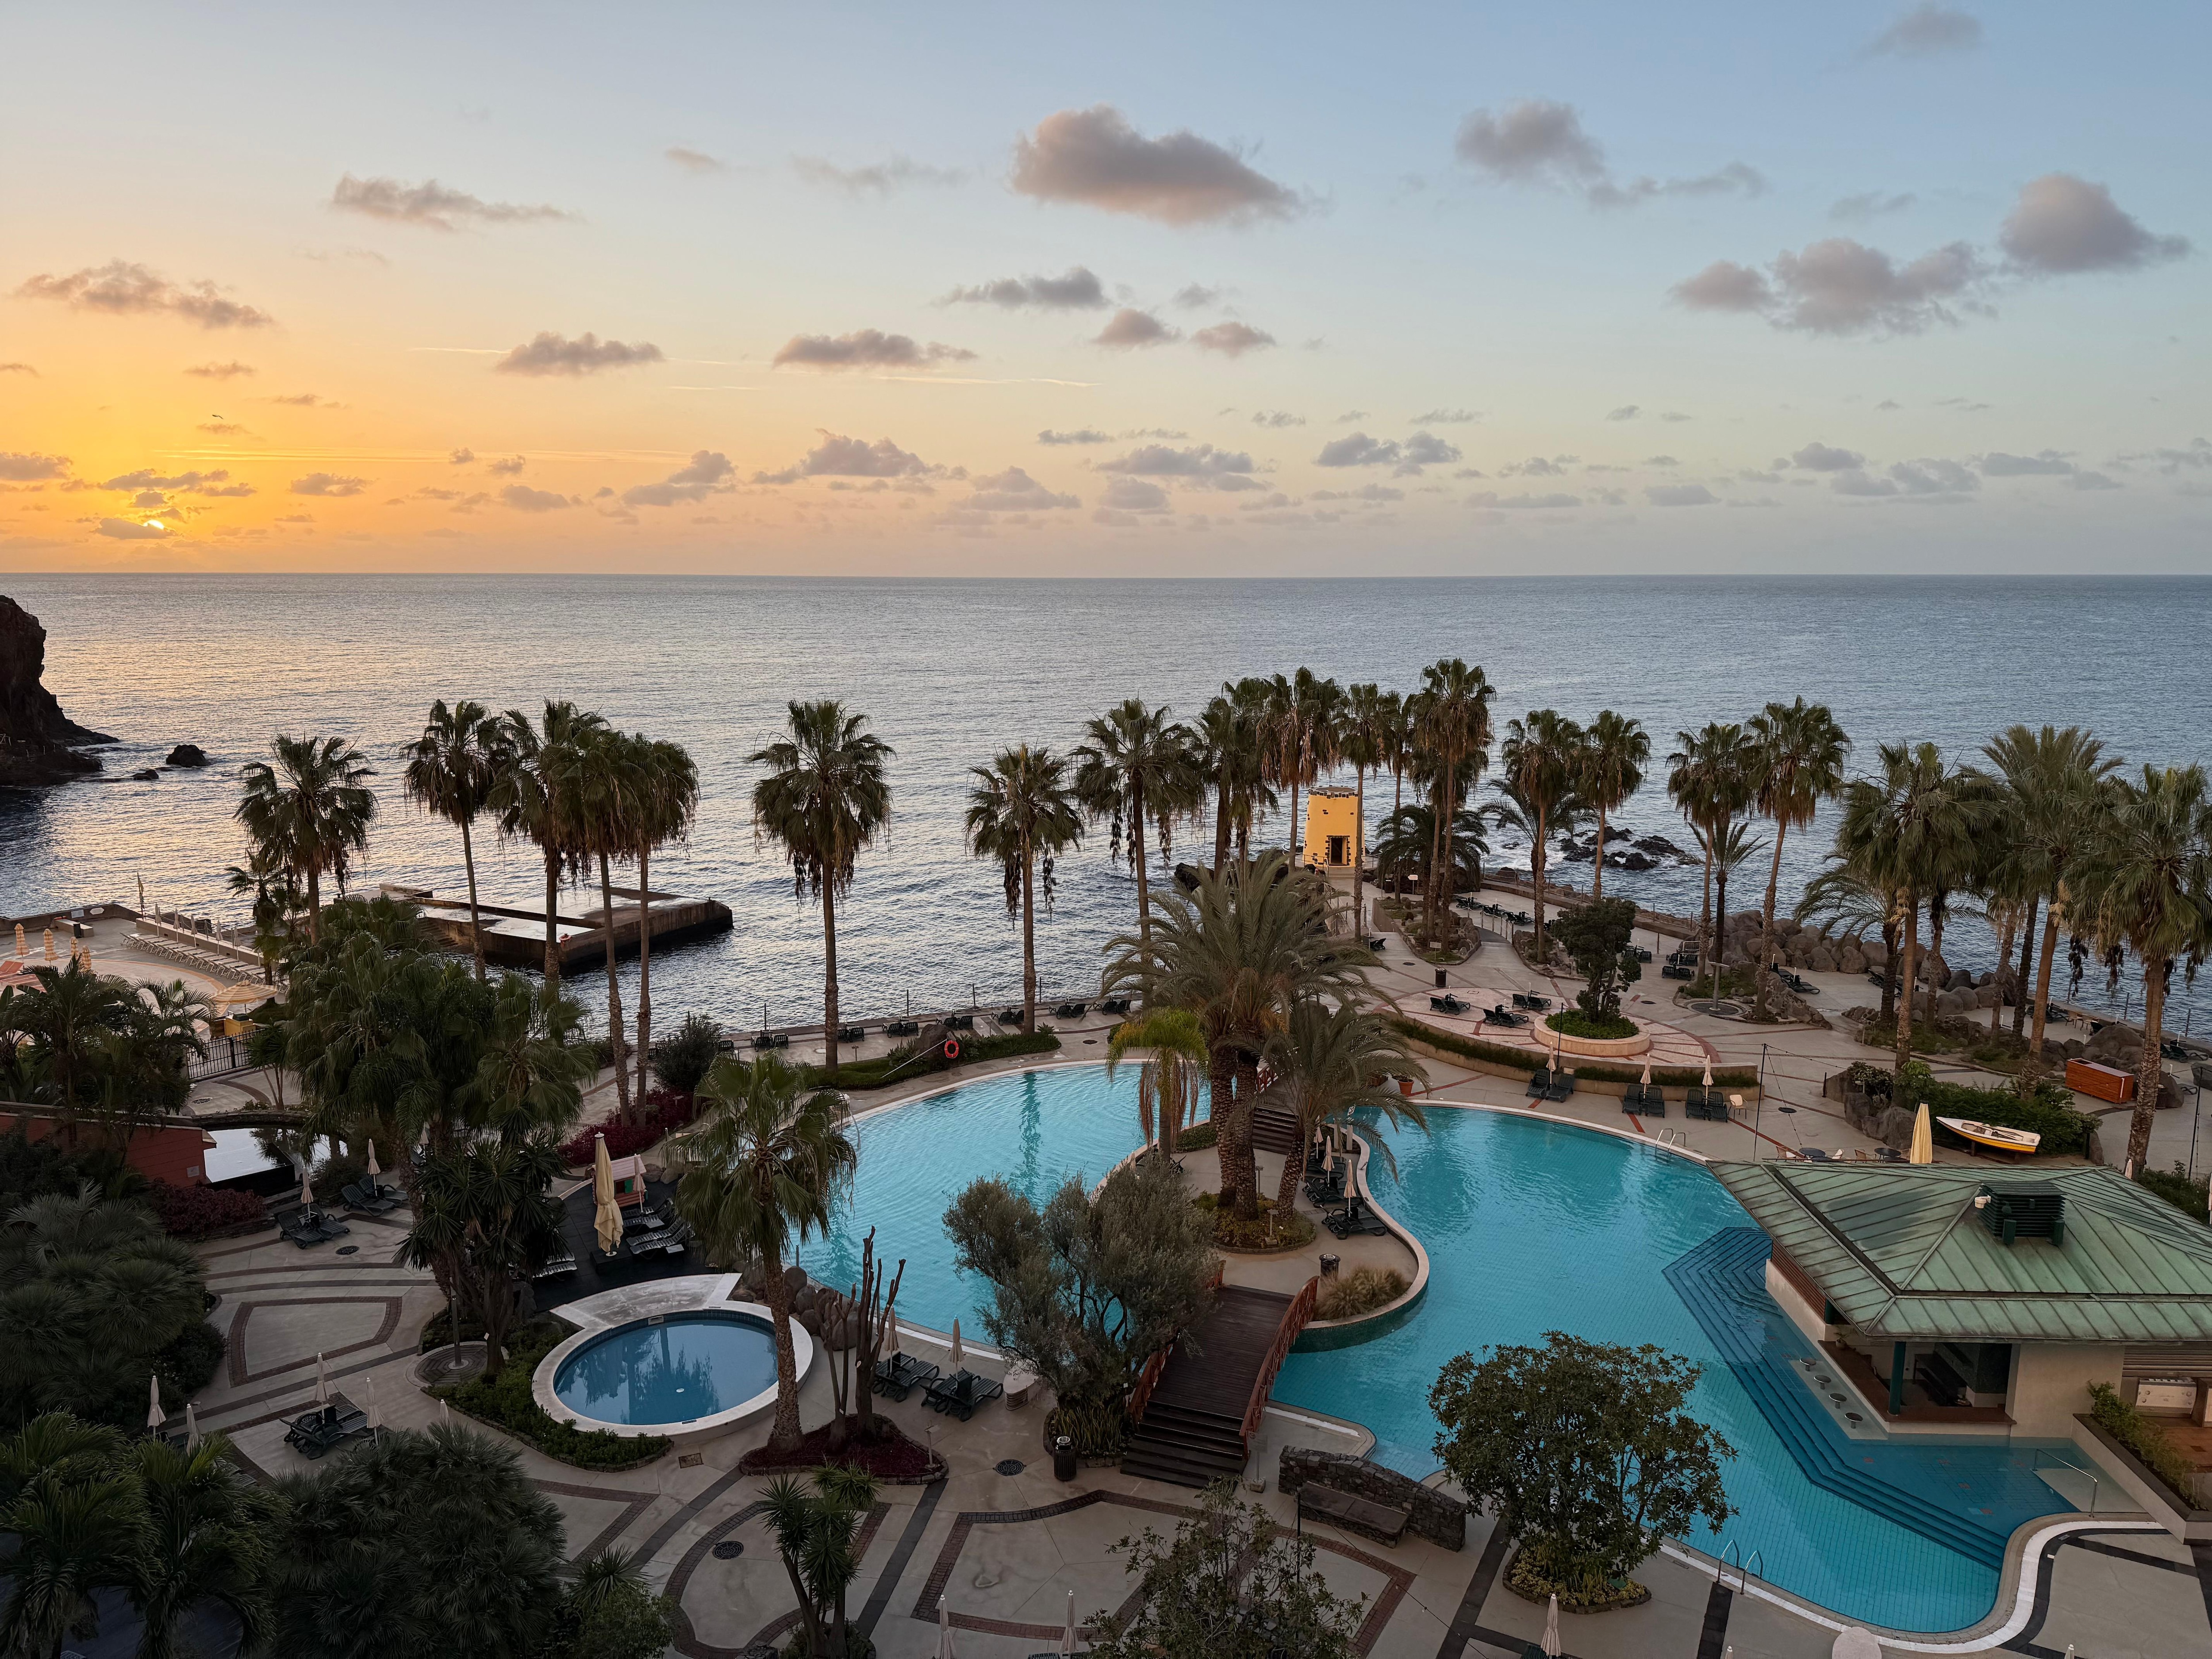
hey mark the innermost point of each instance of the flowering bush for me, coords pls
(664, 1110)
(204, 1212)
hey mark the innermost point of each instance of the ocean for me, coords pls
(948, 671)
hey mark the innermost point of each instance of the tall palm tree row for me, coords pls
(606, 788)
(1542, 759)
(1365, 733)
(1798, 762)
(1615, 750)
(306, 809)
(451, 769)
(535, 797)
(1231, 750)
(666, 782)
(1452, 722)
(1138, 763)
(1022, 813)
(1711, 779)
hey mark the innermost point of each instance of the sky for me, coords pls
(1231, 290)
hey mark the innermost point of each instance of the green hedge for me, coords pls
(2049, 1112)
(1197, 1137)
(1500, 1054)
(2175, 1187)
(506, 1402)
(902, 1066)
(2144, 1436)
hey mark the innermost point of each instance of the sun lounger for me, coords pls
(899, 1374)
(1448, 1005)
(1678, 970)
(1070, 1011)
(1533, 1003)
(1695, 1100)
(1651, 1102)
(902, 1028)
(1562, 1086)
(358, 1197)
(558, 1266)
(326, 1427)
(1011, 1016)
(1640, 953)
(771, 1040)
(1325, 1189)
(961, 1393)
(1115, 1005)
(851, 1033)
(1354, 1217)
(1374, 942)
(1540, 1083)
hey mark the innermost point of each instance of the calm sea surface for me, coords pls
(948, 671)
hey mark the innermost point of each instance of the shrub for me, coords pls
(2175, 1187)
(682, 1060)
(1575, 1022)
(2144, 1437)
(1197, 1137)
(505, 1401)
(204, 1212)
(1362, 1291)
(1260, 1233)
(912, 1060)
(2048, 1112)
(335, 1173)
(1498, 1054)
(189, 1363)
(609, 1612)
(665, 1112)
(33, 1169)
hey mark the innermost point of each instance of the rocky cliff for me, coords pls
(38, 742)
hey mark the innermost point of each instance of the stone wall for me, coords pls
(1438, 1516)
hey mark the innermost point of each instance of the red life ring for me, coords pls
(952, 1048)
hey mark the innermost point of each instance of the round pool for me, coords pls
(667, 1371)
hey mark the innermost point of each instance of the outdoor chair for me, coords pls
(1640, 953)
(297, 1226)
(1070, 1011)
(1563, 1085)
(960, 1022)
(897, 1375)
(1696, 1100)
(1327, 1189)
(1011, 1015)
(851, 1033)
(1652, 1102)
(961, 1393)
(359, 1198)
(1540, 1083)
(326, 1427)
(902, 1028)
(1531, 1002)
(1354, 1217)
(1675, 970)
(1447, 1005)
(1115, 1005)
(558, 1266)
(1374, 942)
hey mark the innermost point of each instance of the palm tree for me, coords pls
(1174, 1070)
(1540, 758)
(762, 1175)
(1408, 841)
(70, 1014)
(665, 783)
(530, 1069)
(1302, 717)
(1907, 828)
(534, 795)
(2061, 779)
(451, 769)
(1231, 754)
(1363, 739)
(1327, 1062)
(306, 809)
(607, 809)
(1022, 812)
(2147, 887)
(825, 798)
(1137, 764)
(1736, 847)
(77, 1531)
(1237, 953)
(1451, 716)
(1799, 764)
(1709, 777)
(209, 1540)
(1615, 750)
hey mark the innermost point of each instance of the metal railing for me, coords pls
(2037, 1465)
(1747, 1567)
(1293, 1321)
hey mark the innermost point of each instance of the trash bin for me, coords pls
(1063, 1458)
(1440, 978)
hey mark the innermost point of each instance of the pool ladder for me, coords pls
(1678, 1138)
(1747, 1567)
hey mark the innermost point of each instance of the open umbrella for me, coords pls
(155, 1415)
(1923, 1138)
(1067, 1635)
(1856, 1643)
(944, 1631)
(322, 1382)
(1550, 1643)
(606, 1216)
(959, 1355)
(191, 1428)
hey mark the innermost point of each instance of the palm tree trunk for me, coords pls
(2043, 975)
(2150, 1077)
(1449, 858)
(2026, 955)
(1597, 868)
(644, 967)
(1029, 944)
(1360, 855)
(829, 983)
(315, 905)
(1705, 919)
(1232, 1125)
(1766, 926)
(1137, 858)
(1221, 821)
(475, 932)
(552, 918)
(2004, 957)
(1248, 1166)
(1889, 950)
(777, 1294)
(1294, 1163)
(1720, 918)
(1536, 870)
(617, 1038)
(1429, 875)
(1905, 979)
(1297, 840)
(1937, 913)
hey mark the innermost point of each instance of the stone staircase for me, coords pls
(1274, 1131)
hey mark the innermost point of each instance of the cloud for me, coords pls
(220, 371)
(432, 205)
(1079, 290)
(328, 483)
(693, 161)
(1195, 296)
(462, 457)
(1927, 30)
(509, 467)
(1839, 286)
(129, 530)
(2095, 481)
(552, 353)
(123, 289)
(1537, 467)
(19, 369)
(1081, 435)
(879, 179)
(2049, 464)
(1537, 141)
(1824, 458)
(1857, 209)
(1095, 158)
(1491, 498)
(1676, 414)
(709, 472)
(1233, 339)
(1357, 449)
(1661, 460)
(1625, 412)
(1923, 480)
(1424, 449)
(2061, 224)
(1276, 418)
(1131, 327)
(1133, 496)
(1373, 492)
(1202, 461)
(849, 458)
(522, 499)
(1690, 494)
(220, 428)
(307, 400)
(1446, 417)
(201, 483)
(19, 467)
(865, 347)
(1014, 491)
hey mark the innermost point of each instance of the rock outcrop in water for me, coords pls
(38, 742)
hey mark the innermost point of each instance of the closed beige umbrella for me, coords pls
(306, 1188)
(959, 1354)
(1067, 1635)
(155, 1415)
(50, 944)
(191, 1428)
(1923, 1138)
(322, 1381)
(944, 1631)
(1551, 1641)
(22, 946)
(372, 1170)
(606, 1217)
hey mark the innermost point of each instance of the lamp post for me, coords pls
(1758, 1109)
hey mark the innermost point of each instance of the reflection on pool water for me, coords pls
(685, 1366)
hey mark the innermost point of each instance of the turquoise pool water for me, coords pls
(1031, 1129)
(686, 1366)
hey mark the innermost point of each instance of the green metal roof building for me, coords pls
(1962, 1298)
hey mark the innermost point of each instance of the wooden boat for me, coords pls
(1993, 1134)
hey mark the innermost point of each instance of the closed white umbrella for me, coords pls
(375, 1417)
(1551, 1642)
(191, 1428)
(372, 1170)
(944, 1631)
(1709, 1074)
(322, 1382)
(959, 1355)
(23, 949)
(1067, 1636)
(1647, 1072)
(306, 1187)
(155, 1415)
(606, 1220)
(1923, 1138)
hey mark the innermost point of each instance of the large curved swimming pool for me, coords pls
(1531, 1226)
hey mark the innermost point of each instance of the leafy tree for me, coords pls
(209, 1539)
(1230, 1585)
(1082, 1292)
(666, 801)
(760, 1175)
(70, 1015)
(1022, 813)
(1408, 842)
(1450, 717)
(1711, 777)
(1365, 729)
(825, 798)
(1799, 764)
(484, 1221)
(608, 787)
(682, 1060)
(609, 1612)
(1597, 938)
(451, 769)
(1231, 750)
(1585, 1450)
(816, 1533)
(306, 809)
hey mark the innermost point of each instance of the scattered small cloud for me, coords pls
(1935, 480)
(1676, 414)
(462, 457)
(2086, 480)
(1196, 296)
(432, 205)
(2061, 224)
(123, 289)
(707, 473)
(1661, 460)
(1858, 209)
(1998, 464)
(1350, 415)
(1014, 491)
(1824, 458)
(221, 429)
(307, 400)
(511, 467)
(191, 483)
(694, 160)
(1688, 495)
(1625, 412)
(865, 347)
(875, 179)
(1276, 418)
(1373, 492)
(229, 371)
(1133, 495)
(1537, 141)
(19, 369)
(1095, 158)
(1840, 286)
(587, 353)
(522, 499)
(1233, 339)
(328, 483)
(1202, 461)
(1887, 404)
(1537, 466)
(131, 530)
(837, 457)
(1928, 30)
(1447, 417)
(1079, 290)
(1081, 436)
(1131, 327)
(1491, 498)
(1422, 449)
(17, 466)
